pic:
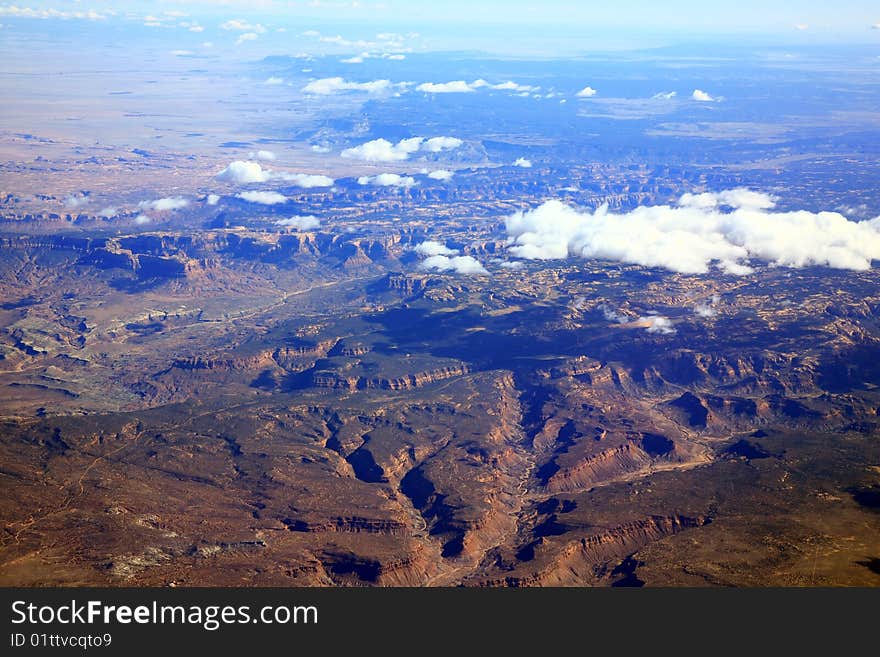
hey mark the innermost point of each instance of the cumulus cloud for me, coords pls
(454, 87)
(239, 25)
(108, 212)
(463, 87)
(437, 144)
(327, 86)
(304, 180)
(28, 12)
(247, 36)
(388, 180)
(273, 81)
(263, 198)
(512, 264)
(507, 86)
(729, 230)
(142, 219)
(523, 162)
(382, 150)
(612, 315)
(357, 59)
(441, 174)
(386, 42)
(243, 173)
(164, 204)
(664, 95)
(182, 53)
(75, 201)
(707, 308)
(702, 97)
(262, 155)
(587, 92)
(730, 198)
(656, 324)
(458, 264)
(318, 148)
(213, 199)
(432, 248)
(300, 222)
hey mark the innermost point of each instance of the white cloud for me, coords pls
(327, 86)
(437, 144)
(358, 59)
(182, 53)
(243, 173)
(300, 222)
(728, 230)
(108, 212)
(523, 162)
(74, 202)
(707, 308)
(263, 198)
(587, 92)
(457, 264)
(702, 97)
(242, 26)
(461, 86)
(267, 156)
(441, 174)
(455, 87)
(164, 204)
(433, 248)
(213, 199)
(29, 12)
(612, 315)
(382, 150)
(512, 264)
(196, 28)
(317, 148)
(664, 95)
(656, 324)
(386, 42)
(388, 180)
(142, 219)
(729, 198)
(304, 180)
(247, 36)
(509, 86)
(801, 27)
(274, 81)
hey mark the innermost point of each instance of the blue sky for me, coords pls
(677, 15)
(499, 25)
(752, 15)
